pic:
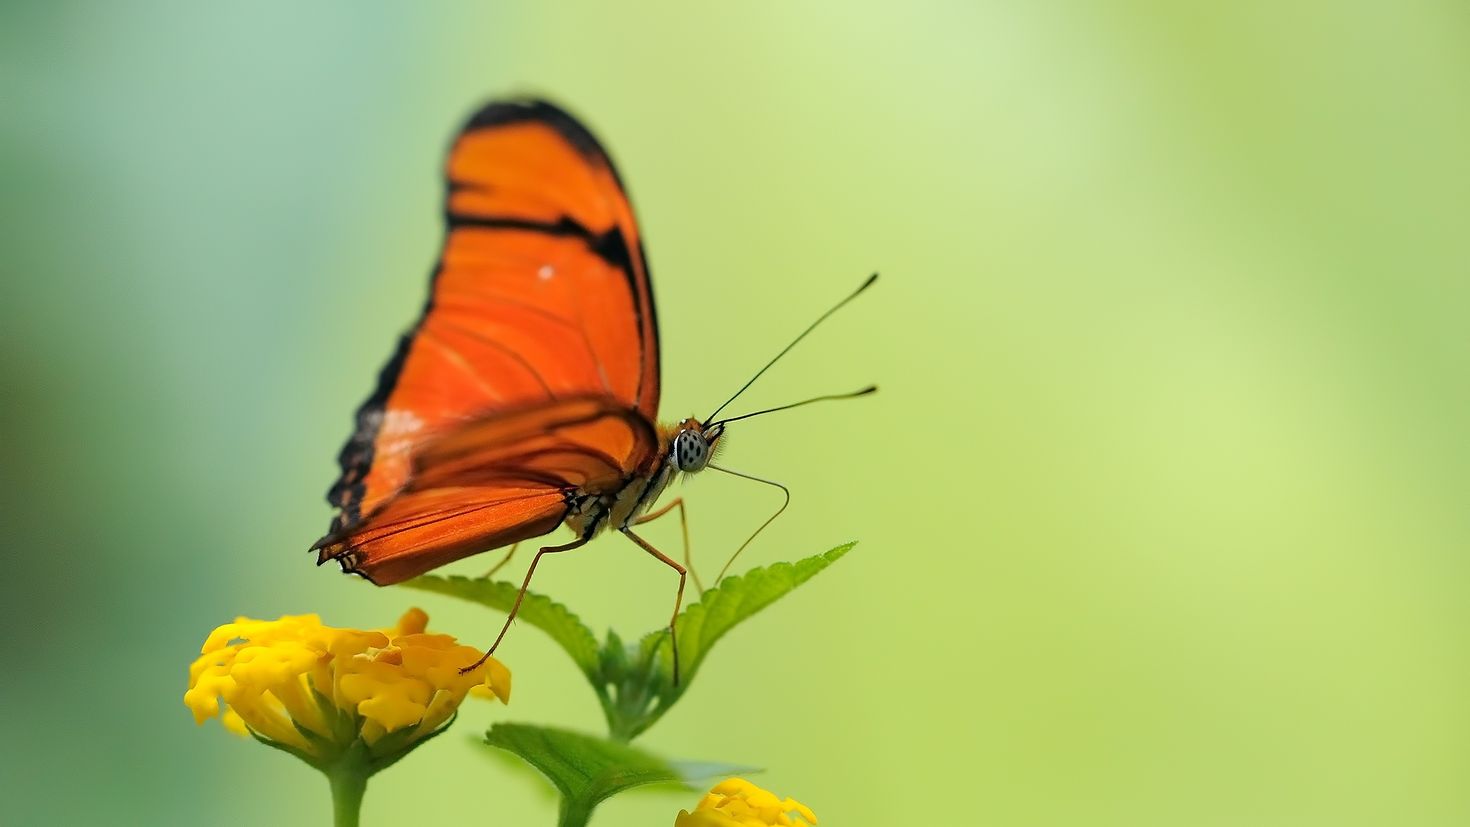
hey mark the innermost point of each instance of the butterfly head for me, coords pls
(694, 445)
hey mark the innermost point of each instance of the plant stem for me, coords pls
(348, 777)
(621, 729)
(574, 813)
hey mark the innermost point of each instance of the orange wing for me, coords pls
(493, 482)
(541, 295)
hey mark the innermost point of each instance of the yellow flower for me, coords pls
(736, 802)
(317, 691)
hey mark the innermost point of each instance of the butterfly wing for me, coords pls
(541, 295)
(493, 482)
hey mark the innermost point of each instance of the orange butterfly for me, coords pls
(525, 397)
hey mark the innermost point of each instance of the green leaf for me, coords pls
(637, 684)
(540, 611)
(587, 770)
(732, 601)
(634, 681)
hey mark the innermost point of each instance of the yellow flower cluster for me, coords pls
(315, 690)
(736, 802)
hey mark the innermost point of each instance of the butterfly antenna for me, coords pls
(771, 519)
(864, 392)
(820, 319)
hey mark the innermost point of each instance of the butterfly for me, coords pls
(526, 395)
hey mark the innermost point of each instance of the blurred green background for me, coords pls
(1162, 506)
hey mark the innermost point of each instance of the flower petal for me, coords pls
(280, 678)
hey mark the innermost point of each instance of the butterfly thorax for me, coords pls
(593, 512)
(685, 447)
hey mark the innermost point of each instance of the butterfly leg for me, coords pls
(521, 595)
(683, 525)
(678, 598)
(498, 566)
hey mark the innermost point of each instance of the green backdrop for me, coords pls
(1162, 504)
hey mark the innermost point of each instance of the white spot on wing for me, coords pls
(401, 422)
(546, 272)
(398, 430)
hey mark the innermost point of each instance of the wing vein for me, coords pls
(369, 536)
(519, 359)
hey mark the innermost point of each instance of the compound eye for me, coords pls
(691, 452)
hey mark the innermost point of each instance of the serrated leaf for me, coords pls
(634, 681)
(540, 611)
(732, 601)
(637, 686)
(587, 770)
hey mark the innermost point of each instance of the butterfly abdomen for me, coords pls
(592, 512)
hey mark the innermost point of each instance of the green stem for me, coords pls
(348, 777)
(620, 728)
(575, 813)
